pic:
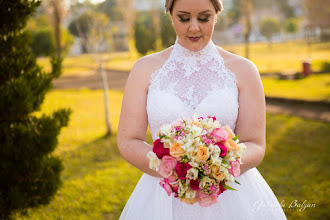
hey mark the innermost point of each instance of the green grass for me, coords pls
(98, 182)
(284, 56)
(315, 87)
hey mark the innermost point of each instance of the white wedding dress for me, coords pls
(198, 82)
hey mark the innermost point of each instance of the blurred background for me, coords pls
(98, 42)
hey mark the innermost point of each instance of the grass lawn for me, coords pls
(315, 87)
(97, 182)
(284, 56)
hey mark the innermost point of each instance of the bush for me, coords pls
(42, 34)
(167, 31)
(144, 33)
(30, 175)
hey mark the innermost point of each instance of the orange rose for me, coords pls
(229, 131)
(189, 201)
(230, 144)
(176, 150)
(202, 153)
(216, 173)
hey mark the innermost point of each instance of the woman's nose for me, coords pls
(194, 27)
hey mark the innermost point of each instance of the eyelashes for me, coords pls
(182, 19)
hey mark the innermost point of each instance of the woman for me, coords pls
(195, 76)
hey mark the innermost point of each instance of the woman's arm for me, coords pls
(133, 122)
(251, 121)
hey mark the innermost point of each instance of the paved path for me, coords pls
(117, 81)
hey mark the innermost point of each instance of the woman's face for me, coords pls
(194, 22)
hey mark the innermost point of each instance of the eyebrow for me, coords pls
(198, 13)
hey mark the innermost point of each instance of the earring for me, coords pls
(216, 21)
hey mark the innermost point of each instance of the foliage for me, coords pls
(167, 31)
(95, 173)
(111, 9)
(269, 26)
(314, 88)
(43, 43)
(291, 25)
(32, 174)
(94, 30)
(317, 13)
(144, 33)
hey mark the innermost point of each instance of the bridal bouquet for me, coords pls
(197, 158)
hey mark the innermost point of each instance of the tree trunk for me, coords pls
(246, 7)
(105, 90)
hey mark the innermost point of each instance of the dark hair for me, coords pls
(216, 3)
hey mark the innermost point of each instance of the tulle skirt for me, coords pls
(253, 199)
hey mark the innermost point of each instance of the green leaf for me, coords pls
(235, 138)
(226, 162)
(228, 187)
(237, 182)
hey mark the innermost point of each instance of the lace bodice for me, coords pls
(192, 82)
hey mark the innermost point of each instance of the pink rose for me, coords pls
(221, 189)
(159, 149)
(223, 149)
(166, 185)
(166, 166)
(205, 200)
(235, 168)
(219, 135)
(181, 170)
(194, 184)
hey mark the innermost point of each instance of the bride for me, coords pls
(195, 76)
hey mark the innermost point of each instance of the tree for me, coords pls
(268, 27)
(55, 10)
(167, 32)
(127, 6)
(93, 28)
(111, 9)
(144, 32)
(291, 26)
(30, 174)
(43, 37)
(318, 14)
(246, 11)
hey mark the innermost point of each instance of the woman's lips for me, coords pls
(194, 38)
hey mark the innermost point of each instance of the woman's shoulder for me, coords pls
(152, 62)
(243, 68)
(148, 64)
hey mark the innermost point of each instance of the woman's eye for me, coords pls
(182, 19)
(206, 19)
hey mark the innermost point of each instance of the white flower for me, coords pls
(154, 162)
(165, 130)
(206, 180)
(190, 193)
(241, 147)
(192, 174)
(216, 160)
(229, 179)
(194, 164)
(182, 188)
(197, 131)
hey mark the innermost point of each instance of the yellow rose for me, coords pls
(231, 134)
(176, 150)
(230, 144)
(202, 153)
(216, 173)
(189, 201)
